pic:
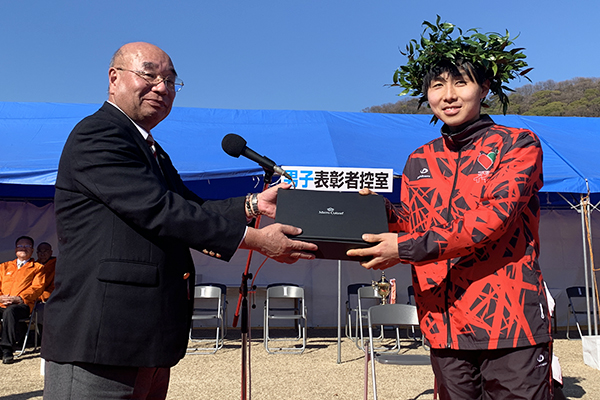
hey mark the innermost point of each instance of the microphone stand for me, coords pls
(243, 303)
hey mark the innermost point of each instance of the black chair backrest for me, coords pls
(577, 291)
(353, 288)
(411, 293)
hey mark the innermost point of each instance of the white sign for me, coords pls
(341, 179)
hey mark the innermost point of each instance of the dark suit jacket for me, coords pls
(125, 276)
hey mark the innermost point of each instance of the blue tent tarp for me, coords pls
(33, 135)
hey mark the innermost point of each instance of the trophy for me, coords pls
(383, 288)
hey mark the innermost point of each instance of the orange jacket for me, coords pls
(48, 271)
(27, 282)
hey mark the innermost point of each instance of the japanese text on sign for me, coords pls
(341, 179)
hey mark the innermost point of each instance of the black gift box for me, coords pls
(334, 221)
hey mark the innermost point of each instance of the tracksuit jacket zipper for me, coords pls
(449, 261)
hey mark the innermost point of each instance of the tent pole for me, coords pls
(592, 272)
(339, 290)
(583, 211)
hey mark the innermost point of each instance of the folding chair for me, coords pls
(352, 308)
(410, 331)
(285, 302)
(577, 305)
(33, 319)
(367, 297)
(224, 302)
(209, 308)
(391, 315)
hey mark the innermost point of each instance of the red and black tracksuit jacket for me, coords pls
(468, 224)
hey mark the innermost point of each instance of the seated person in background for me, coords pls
(44, 254)
(21, 283)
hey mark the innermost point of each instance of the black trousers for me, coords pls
(514, 373)
(103, 382)
(11, 332)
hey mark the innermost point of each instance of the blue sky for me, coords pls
(271, 54)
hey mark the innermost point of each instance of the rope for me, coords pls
(585, 202)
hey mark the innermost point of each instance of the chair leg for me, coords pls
(32, 317)
(305, 333)
(366, 388)
(576, 324)
(372, 354)
(349, 330)
(225, 319)
(37, 333)
(356, 338)
(397, 340)
(266, 331)
(22, 351)
(348, 327)
(219, 340)
(300, 330)
(302, 335)
(360, 329)
(381, 337)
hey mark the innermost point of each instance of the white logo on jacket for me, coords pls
(424, 174)
(482, 176)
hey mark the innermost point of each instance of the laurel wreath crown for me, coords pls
(485, 50)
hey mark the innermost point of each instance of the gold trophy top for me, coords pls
(383, 288)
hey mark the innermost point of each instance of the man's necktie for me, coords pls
(152, 144)
(150, 141)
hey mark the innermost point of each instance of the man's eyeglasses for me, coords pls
(174, 85)
(24, 246)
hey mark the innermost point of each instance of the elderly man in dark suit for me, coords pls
(119, 316)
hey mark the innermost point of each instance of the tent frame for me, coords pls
(585, 209)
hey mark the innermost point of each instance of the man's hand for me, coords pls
(5, 300)
(273, 242)
(8, 300)
(267, 200)
(381, 256)
(366, 191)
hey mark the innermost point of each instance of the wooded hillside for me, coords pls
(578, 97)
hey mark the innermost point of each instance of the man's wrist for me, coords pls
(251, 205)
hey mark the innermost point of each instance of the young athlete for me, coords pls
(467, 223)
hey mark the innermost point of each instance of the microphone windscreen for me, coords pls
(233, 144)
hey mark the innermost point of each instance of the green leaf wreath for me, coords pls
(486, 50)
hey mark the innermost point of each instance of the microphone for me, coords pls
(235, 146)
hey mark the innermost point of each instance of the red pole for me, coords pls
(243, 303)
